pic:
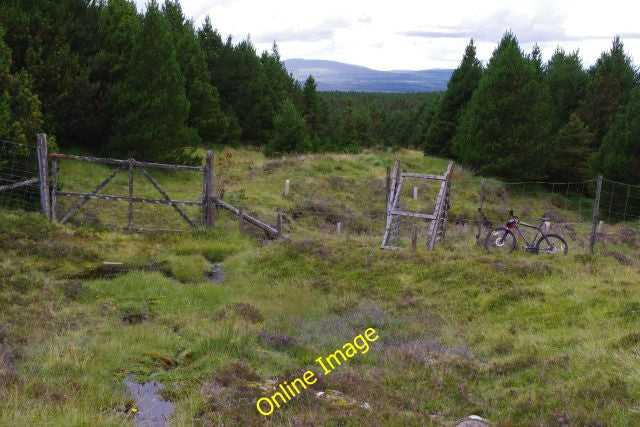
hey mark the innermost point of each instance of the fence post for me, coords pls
(338, 228)
(130, 215)
(208, 190)
(54, 185)
(43, 171)
(414, 237)
(480, 213)
(279, 223)
(287, 182)
(415, 193)
(596, 212)
(388, 182)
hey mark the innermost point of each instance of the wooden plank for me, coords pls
(425, 176)
(43, 170)
(248, 218)
(19, 184)
(126, 199)
(166, 196)
(54, 189)
(130, 213)
(412, 214)
(93, 195)
(387, 229)
(431, 240)
(137, 163)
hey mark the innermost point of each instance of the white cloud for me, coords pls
(408, 34)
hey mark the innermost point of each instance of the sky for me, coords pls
(415, 35)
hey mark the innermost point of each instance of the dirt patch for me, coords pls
(112, 270)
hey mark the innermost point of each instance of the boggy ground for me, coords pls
(520, 340)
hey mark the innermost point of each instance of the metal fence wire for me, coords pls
(18, 176)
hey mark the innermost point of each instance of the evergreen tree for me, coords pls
(505, 126)
(572, 142)
(611, 79)
(290, 132)
(20, 115)
(619, 155)
(567, 82)
(462, 84)
(205, 114)
(151, 122)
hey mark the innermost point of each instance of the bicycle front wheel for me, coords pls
(500, 239)
(552, 244)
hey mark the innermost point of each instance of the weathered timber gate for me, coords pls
(207, 202)
(438, 219)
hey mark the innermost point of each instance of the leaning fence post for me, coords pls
(596, 212)
(130, 216)
(480, 214)
(43, 163)
(388, 182)
(54, 185)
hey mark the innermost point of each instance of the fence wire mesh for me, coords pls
(18, 163)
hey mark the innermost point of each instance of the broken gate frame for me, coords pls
(438, 219)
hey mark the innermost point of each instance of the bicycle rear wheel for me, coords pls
(552, 244)
(500, 239)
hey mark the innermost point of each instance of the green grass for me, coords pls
(520, 340)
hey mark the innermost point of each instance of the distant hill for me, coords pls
(338, 76)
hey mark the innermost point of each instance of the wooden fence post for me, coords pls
(596, 212)
(43, 171)
(130, 215)
(388, 182)
(480, 213)
(279, 223)
(414, 237)
(415, 193)
(208, 190)
(54, 189)
(286, 187)
(338, 228)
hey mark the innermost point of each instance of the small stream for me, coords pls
(153, 409)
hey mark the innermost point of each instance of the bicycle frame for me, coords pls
(535, 240)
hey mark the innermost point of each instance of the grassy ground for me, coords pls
(521, 340)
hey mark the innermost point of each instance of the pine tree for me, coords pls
(505, 126)
(463, 82)
(619, 155)
(567, 82)
(572, 142)
(20, 115)
(290, 132)
(205, 114)
(152, 104)
(611, 79)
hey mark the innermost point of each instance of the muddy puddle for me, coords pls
(152, 409)
(216, 275)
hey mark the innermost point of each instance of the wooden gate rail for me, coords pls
(15, 185)
(207, 201)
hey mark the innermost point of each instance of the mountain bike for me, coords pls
(504, 239)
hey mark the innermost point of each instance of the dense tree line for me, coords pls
(519, 118)
(103, 77)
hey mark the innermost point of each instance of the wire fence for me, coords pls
(331, 204)
(18, 176)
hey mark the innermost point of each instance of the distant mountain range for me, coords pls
(338, 76)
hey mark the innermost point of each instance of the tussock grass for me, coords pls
(519, 340)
